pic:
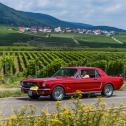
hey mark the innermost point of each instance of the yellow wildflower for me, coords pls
(13, 117)
(67, 112)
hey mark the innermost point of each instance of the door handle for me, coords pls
(95, 79)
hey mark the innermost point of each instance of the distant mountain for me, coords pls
(9, 16)
(54, 22)
(108, 28)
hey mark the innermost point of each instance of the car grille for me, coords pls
(28, 84)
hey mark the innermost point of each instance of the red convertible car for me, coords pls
(68, 80)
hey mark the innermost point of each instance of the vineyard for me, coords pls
(45, 63)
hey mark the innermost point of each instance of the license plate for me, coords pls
(34, 88)
(30, 93)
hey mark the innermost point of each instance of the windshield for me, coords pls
(65, 72)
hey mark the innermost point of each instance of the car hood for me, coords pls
(46, 79)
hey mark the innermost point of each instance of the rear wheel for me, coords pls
(108, 90)
(58, 93)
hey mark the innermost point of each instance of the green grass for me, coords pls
(11, 81)
(96, 38)
(9, 93)
(7, 29)
(64, 35)
(123, 88)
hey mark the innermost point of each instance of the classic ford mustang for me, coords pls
(68, 80)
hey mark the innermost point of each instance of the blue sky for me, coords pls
(95, 12)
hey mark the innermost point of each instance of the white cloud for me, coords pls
(113, 9)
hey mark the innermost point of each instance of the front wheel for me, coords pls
(58, 93)
(108, 90)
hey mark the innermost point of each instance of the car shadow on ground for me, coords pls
(47, 98)
(43, 98)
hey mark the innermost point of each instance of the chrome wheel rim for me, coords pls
(108, 90)
(58, 93)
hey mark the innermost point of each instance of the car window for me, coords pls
(65, 72)
(91, 73)
(77, 75)
(97, 75)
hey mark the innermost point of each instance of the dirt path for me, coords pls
(9, 89)
(76, 41)
(116, 40)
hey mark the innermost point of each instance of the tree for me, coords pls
(32, 68)
(115, 67)
(50, 69)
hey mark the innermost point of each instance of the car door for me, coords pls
(93, 83)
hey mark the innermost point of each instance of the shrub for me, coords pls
(50, 69)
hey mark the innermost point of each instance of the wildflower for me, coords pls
(13, 117)
(55, 122)
(58, 106)
(67, 112)
(44, 112)
(58, 103)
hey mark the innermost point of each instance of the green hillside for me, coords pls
(80, 40)
(11, 36)
(12, 17)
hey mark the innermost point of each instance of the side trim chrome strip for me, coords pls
(84, 92)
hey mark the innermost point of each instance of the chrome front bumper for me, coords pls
(27, 89)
